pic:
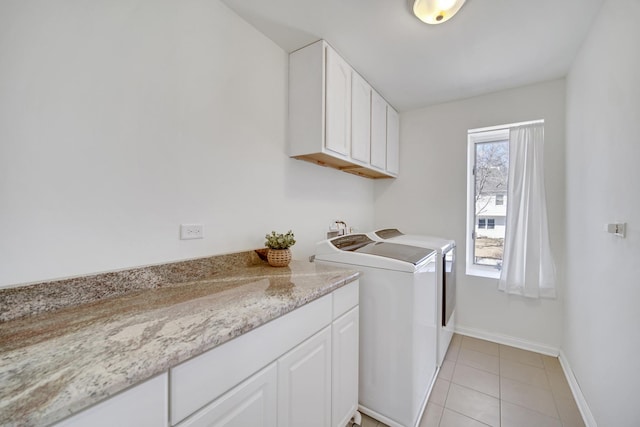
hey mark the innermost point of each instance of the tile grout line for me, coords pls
(466, 416)
(455, 364)
(533, 410)
(477, 391)
(553, 395)
(444, 405)
(550, 390)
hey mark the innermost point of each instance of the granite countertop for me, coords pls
(60, 361)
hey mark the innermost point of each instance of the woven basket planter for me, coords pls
(279, 257)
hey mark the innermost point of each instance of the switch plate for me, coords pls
(191, 231)
(617, 229)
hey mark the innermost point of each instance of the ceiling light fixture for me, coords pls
(436, 11)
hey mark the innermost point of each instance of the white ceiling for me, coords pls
(489, 45)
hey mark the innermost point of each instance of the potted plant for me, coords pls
(279, 254)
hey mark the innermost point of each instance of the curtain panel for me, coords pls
(528, 267)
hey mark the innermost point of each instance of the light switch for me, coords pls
(619, 229)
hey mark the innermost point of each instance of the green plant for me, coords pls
(279, 241)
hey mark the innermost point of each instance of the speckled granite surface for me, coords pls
(47, 296)
(65, 359)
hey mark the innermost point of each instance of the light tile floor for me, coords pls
(487, 384)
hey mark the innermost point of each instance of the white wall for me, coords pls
(602, 340)
(430, 198)
(120, 120)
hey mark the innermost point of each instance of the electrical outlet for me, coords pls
(191, 231)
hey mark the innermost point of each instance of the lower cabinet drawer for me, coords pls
(144, 405)
(252, 403)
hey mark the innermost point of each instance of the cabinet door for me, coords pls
(344, 364)
(338, 103)
(145, 405)
(378, 131)
(360, 119)
(250, 404)
(393, 141)
(304, 383)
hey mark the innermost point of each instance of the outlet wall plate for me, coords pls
(191, 231)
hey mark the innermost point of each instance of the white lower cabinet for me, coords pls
(300, 369)
(316, 383)
(252, 403)
(205, 378)
(344, 364)
(304, 383)
(144, 405)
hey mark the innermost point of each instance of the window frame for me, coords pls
(476, 136)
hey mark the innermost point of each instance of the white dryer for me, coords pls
(446, 272)
(398, 328)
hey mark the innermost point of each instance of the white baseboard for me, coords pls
(508, 340)
(585, 411)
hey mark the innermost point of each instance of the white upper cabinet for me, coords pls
(331, 114)
(338, 104)
(378, 131)
(360, 120)
(393, 141)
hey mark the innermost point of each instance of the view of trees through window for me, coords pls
(491, 174)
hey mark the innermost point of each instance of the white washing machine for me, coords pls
(398, 324)
(446, 272)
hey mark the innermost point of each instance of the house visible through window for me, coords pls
(487, 207)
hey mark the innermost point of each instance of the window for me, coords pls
(488, 174)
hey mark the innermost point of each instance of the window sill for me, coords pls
(489, 273)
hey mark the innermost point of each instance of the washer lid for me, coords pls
(362, 244)
(388, 233)
(393, 235)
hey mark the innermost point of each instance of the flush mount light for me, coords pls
(436, 11)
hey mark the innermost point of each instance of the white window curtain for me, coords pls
(527, 267)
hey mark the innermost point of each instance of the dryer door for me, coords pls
(449, 284)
